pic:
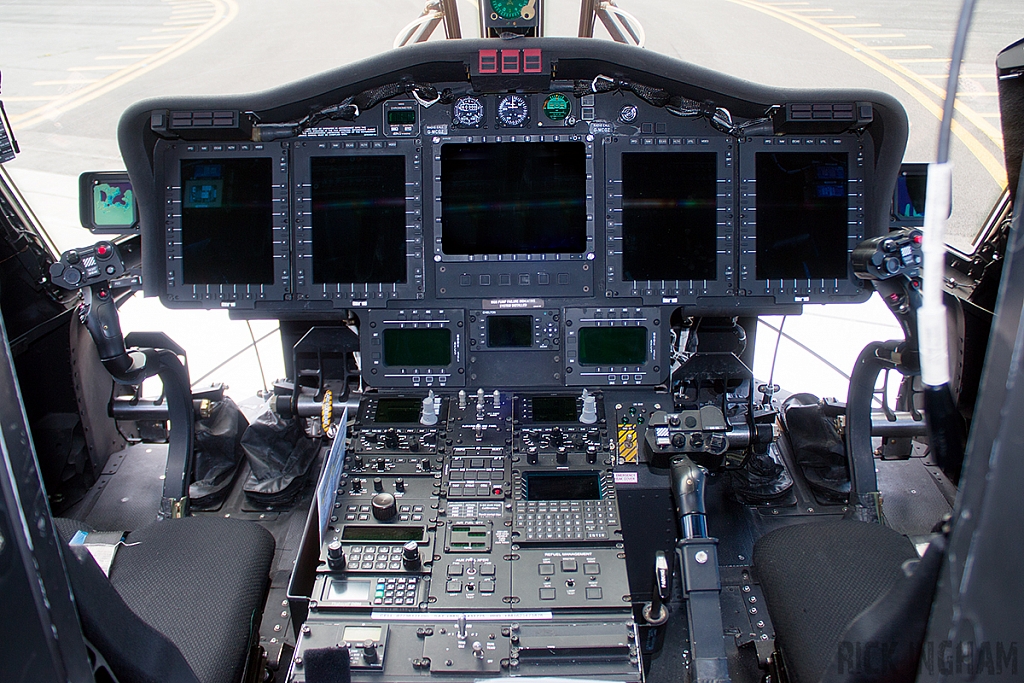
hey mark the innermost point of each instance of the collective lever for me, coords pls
(688, 491)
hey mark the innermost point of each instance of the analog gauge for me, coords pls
(468, 112)
(512, 111)
(509, 9)
(557, 106)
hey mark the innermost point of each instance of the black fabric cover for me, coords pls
(891, 631)
(328, 665)
(218, 453)
(200, 581)
(67, 528)
(134, 651)
(279, 455)
(818, 449)
(817, 577)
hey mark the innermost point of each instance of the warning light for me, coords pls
(102, 250)
(918, 238)
(496, 490)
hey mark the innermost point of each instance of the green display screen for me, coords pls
(418, 348)
(383, 534)
(393, 410)
(612, 345)
(398, 117)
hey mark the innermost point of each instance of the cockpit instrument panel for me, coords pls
(561, 174)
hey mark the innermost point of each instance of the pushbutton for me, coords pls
(546, 569)
(487, 569)
(547, 593)
(569, 566)
(591, 568)
(455, 570)
(454, 586)
(487, 585)
(594, 593)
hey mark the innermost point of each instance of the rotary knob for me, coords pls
(335, 557)
(383, 506)
(411, 556)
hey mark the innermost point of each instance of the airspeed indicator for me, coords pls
(513, 111)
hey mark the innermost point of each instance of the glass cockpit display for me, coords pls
(669, 216)
(513, 198)
(802, 219)
(358, 218)
(227, 221)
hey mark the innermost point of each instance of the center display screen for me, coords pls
(586, 486)
(802, 221)
(358, 219)
(669, 216)
(509, 331)
(423, 348)
(227, 229)
(612, 345)
(514, 198)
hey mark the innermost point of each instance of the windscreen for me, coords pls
(801, 215)
(669, 223)
(227, 229)
(358, 219)
(513, 198)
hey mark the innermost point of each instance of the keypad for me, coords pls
(374, 558)
(566, 520)
(397, 590)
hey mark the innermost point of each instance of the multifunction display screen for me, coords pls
(612, 345)
(358, 219)
(802, 220)
(669, 219)
(514, 198)
(422, 348)
(509, 331)
(227, 229)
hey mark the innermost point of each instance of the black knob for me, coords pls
(414, 445)
(335, 557)
(425, 464)
(556, 437)
(383, 506)
(673, 420)
(562, 456)
(357, 462)
(73, 257)
(531, 455)
(382, 464)
(679, 440)
(391, 439)
(591, 454)
(411, 555)
(370, 651)
(378, 485)
(400, 485)
(357, 486)
(72, 276)
(892, 265)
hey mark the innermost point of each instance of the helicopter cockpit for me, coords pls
(518, 281)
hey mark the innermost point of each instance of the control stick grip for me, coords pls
(104, 326)
(688, 491)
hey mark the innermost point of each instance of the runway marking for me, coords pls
(94, 68)
(921, 60)
(223, 13)
(876, 35)
(853, 25)
(902, 77)
(900, 47)
(29, 98)
(68, 81)
(944, 76)
(144, 47)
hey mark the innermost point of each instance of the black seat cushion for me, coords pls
(817, 577)
(200, 581)
(135, 651)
